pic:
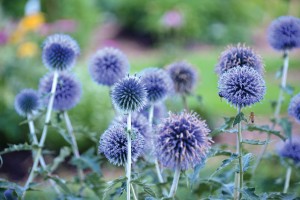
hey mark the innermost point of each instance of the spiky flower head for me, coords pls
(159, 111)
(113, 144)
(60, 52)
(138, 121)
(108, 65)
(294, 107)
(284, 33)
(184, 77)
(26, 102)
(68, 91)
(157, 83)
(291, 149)
(242, 86)
(182, 141)
(129, 94)
(239, 55)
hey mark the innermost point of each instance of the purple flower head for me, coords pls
(182, 141)
(129, 94)
(26, 102)
(108, 66)
(68, 91)
(291, 149)
(113, 144)
(294, 107)
(159, 112)
(284, 33)
(239, 55)
(157, 83)
(138, 121)
(184, 77)
(60, 52)
(242, 86)
(172, 19)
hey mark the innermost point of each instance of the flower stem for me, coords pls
(278, 106)
(287, 179)
(128, 170)
(74, 144)
(133, 192)
(35, 142)
(175, 183)
(184, 101)
(44, 133)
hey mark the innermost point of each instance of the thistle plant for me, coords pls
(128, 96)
(184, 78)
(182, 143)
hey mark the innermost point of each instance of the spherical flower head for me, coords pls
(26, 102)
(239, 55)
(60, 52)
(113, 144)
(182, 141)
(184, 77)
(108, 66)
(291, 149)
(284, 33)
(157, 83)
(294, 107)
(242, 86)
(129, 94)
(159, 111)
(68, 91)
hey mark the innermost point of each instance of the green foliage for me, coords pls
(254, 142)
(18, 147)
(265, 129)
(238, 118)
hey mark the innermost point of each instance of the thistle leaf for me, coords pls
(265, 129)
(255, 142)
(18, 147)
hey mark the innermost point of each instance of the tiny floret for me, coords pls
(291, 149)
(108, 65)
(68, 91)
(129, 94)
(157, 83)
(60, 52)
(242, 86)
(294, 108)
(26, 102)
(184, 77)
(113, 144)
(239, 55)
(284, 33)
(182, 141)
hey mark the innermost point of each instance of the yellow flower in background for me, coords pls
(28, 49)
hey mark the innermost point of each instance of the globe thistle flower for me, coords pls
(291, 149)
(68, 91)
(159, 112)
(284, 33)
(138, 121)
(294, 107)
(60, 52)
(182, 141)
(129, 94)
(108, 66)
(239, 55)
(113, 144)
(26, 102)
(157, 83)
(242, 86)
(184, 77)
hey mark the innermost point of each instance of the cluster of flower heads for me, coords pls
(294, 107)
(107, 66)
(284, 33)
(182, 141)
(113, 144)
(184, 77)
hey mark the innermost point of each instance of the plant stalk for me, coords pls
(175, 183)
(287, 179)
(128, 170)
(184, 101)
(44, 133)
(133, 192)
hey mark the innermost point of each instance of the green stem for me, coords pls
(287, 179)
(44, 133)
(175, 183)
(184, 101)
(128, 170)
(278, 107)
(133, 192)
(74, 144)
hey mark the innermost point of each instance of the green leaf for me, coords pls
(255, 142)
(61, 182)
(249, 194)
(225, 163)
(278, 195)
(63, 153)
(112, 184)
(246, 161)
(96, 183)
(227, 124)
(286, 126)
(265, 129)
(193, 177)
(9, 185)
(145, 187)
(63, 133)
(89, 159)
(289, 90)
(238, 118)
(218, 152)
(18, 147)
